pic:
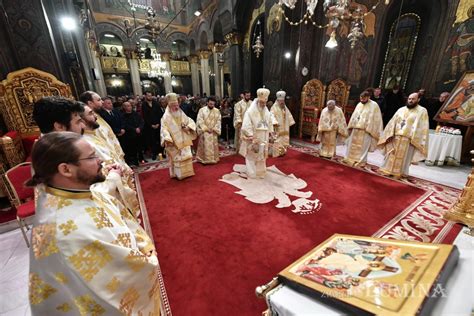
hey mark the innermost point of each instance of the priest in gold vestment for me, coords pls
(332, 129)
(94, 101)
(177, 134)
(88, 255)
(256, 134)
(239, 111)
(126, 190)
(365, 128)
(284, 121)
(208, 130)
(405, 138)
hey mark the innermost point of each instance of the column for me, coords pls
(218, 50)
(166, 57)
(98, 74)
(234, 39)
(135, 76)
(193, 61)
(206, 84)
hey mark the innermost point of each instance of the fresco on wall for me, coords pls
(401, 46)
(458, 53)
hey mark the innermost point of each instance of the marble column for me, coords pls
(206, 84)
(98, 74)
(218, 50)
(234, 39)
(135, 76)
(193, 61)
(166, 57)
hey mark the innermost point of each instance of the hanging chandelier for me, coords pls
(152, 24)
(258, 46)
(339, 13)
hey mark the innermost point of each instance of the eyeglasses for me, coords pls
(89, 158)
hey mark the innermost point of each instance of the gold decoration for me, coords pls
(233, 38)
(312, 102)
(18, 93)
(57, 202)
(64, 307)
(338, 90)
(89, 260)
(39, 290)
(180, 67)
(13, 150)
(204, 54)
(255, 14)
(463, 210)
(128, 301)
(275, 18)
(99, 216)
(193, 59)
(123, 240)
(217, 48)
(136, 260)
(43, 240)
(68, 227)
(113, 285)
(87, 306)
(61, 278)
(465, 11)
(144, 65)
(114, 64)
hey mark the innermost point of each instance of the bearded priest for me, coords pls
(332, 129)
(177, 134)
(256, 133)
(365, 128)
(405, 138)
(208, 129)
(285, 120)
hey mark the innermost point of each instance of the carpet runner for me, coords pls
(215, 247)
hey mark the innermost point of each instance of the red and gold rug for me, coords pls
(215, 247)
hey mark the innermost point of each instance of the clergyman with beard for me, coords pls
(365, 128)
(83, 243)
(405, 138)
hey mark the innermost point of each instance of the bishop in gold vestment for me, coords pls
(88, 255)
(365, 128)
(239, 111)
(332, 129)
(177, 134)
(405, 138)
(284, 121)
(208, 130)
(256, 133)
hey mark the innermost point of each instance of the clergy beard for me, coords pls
(411, 106)
(90, 180)
(175, 114)
(93, 125)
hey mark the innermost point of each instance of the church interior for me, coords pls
(277, 157)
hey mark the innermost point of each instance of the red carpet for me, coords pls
(215, 247)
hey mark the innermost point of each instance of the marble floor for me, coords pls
(14, 253)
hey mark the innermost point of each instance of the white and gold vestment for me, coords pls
(126, 191)
(208, 130)
(255, 136)
(239, 111)
(367, 125)
(89, 256)
(284, 119)
(332, 131)
(178, 142)
(408, 131)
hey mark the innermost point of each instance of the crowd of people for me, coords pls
(87, 210)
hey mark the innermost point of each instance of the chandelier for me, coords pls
(258, 46)
(152, 24)
(339, 13)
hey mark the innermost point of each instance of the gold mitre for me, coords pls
(262, 94)
(281, 95)
(172, 97)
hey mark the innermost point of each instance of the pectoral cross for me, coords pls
(403, 123)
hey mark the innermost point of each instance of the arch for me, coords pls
(103, 28)
(180, 49)
(217, 32)
(192, 47)
(203, 41)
